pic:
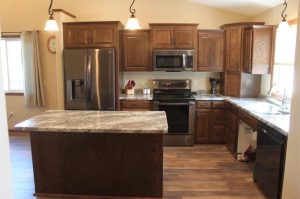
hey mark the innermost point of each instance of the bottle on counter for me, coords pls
(146, 90)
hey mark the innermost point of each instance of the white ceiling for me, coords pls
(245, 7)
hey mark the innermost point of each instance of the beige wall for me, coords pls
(33, 14)
(292, 172)
(273, 17)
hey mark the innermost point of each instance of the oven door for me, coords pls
(180, 116)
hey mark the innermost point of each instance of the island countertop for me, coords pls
(152, 122)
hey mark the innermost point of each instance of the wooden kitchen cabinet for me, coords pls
(91, 34)
(172, 36)
(231, 128)
(233, 48)
(248, 52)
(136, 105)
(203, 128)
(136, 50)
(211, 50)
(258, 49)
(210, 120)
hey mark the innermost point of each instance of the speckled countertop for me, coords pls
(257, 107)
(264, 111)
(152, 122)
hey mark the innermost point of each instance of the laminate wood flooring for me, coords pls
(199, 172)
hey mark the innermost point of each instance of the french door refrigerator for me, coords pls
(89, 78)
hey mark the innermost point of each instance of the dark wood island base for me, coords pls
(97, 164)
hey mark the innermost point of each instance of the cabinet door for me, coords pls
(102, 35)
(248, 51)
(218, 117)
(262, 52)
(203, 126)
(233, 49)
(136, 51)
(217, 134)
(231, 144)
(76, 36)
(210, 50)
(162, 37)
(185, 37)
(232, 84)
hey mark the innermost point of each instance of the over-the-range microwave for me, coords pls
(173, 60)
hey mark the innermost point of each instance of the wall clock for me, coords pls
(51, 44)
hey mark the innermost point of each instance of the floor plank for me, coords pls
(199, 172)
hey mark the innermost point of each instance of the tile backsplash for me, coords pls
(200, 80)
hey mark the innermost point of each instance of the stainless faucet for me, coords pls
(284, 100)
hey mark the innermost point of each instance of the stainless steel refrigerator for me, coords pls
(89, 77)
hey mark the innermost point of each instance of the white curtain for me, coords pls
(33, 92)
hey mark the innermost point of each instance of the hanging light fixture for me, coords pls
(51, 24)
(132, 23)
(283, 25)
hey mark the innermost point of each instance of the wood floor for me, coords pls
(199, 172)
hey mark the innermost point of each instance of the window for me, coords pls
(12, 67)
(283, 71)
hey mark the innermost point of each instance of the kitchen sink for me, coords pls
(267, 108)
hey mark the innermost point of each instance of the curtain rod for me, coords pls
(16, 32)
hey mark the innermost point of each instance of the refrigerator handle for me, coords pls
(89, 81)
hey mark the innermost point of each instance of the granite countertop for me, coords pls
(259, 108)
(264, 111)
(151, 122)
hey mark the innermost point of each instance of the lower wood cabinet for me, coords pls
(210, 120)
(203, 129)
(231, 128)
(136, 105)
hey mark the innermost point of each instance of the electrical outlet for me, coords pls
(11, 115)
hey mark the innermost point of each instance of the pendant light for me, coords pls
(132, 23)
(283, 25)
(51, 24)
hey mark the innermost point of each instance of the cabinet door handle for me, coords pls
(264, 131)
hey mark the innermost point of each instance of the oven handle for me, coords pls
(175, 103)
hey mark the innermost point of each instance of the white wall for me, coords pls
(5, 168)
(291, 185)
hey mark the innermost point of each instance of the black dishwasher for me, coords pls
(270, 161)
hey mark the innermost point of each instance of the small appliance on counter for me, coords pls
(129, 88)
(213, 82)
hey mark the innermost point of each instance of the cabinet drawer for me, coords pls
(218, 105)
(203, 104)
(136, 105)
(250, 120)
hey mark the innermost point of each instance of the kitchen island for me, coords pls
(97, 153)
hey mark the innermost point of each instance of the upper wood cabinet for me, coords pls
(91, 34)
(211, 50)
(136, 50)
(258, 49)
(233, 51)
(168, 36)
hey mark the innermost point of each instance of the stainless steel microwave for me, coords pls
(174, 60)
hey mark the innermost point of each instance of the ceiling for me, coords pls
(245, 7)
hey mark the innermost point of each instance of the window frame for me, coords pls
(12, 92)
(276, 95)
